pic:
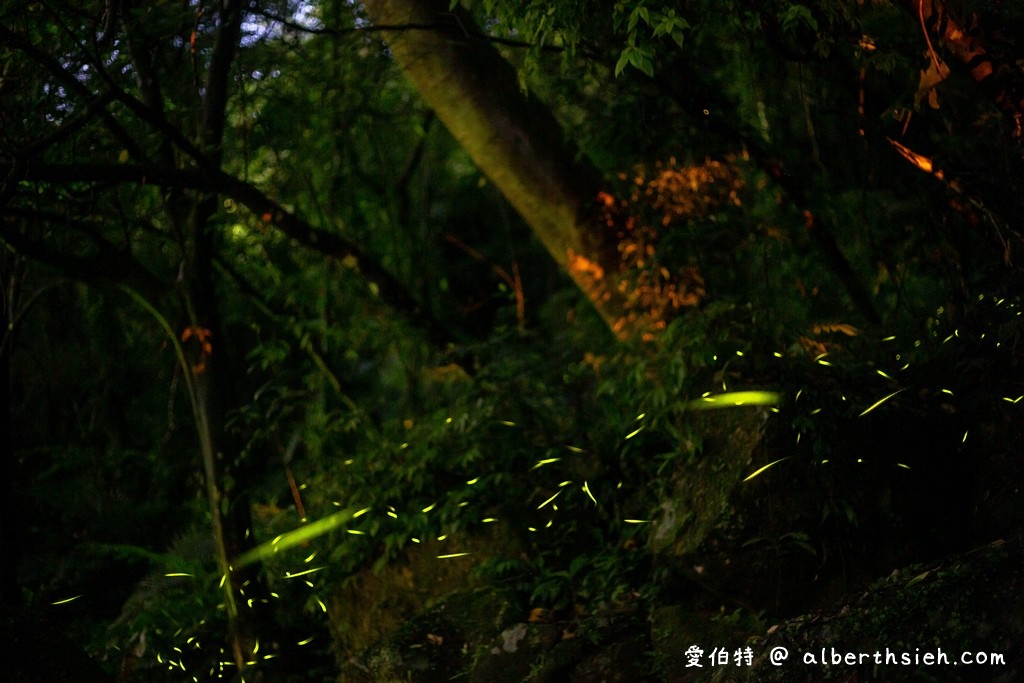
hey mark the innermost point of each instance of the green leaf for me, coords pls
(642, 60)
(798, 14)
(918, 579)
(623, 61)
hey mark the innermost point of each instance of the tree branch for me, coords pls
(72, 84)
(388, 288)
(218, 77)
(109, 265)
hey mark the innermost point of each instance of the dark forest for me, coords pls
(479, 340)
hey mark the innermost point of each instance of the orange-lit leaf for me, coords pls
(931, 77)
(842, 328)
(919, 160)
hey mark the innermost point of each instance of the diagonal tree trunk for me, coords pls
(514, 140)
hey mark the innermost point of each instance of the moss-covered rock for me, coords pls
(419, 616)
(971, 603)
(698, 499)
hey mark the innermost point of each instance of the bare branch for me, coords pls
(386, 286)
(68, 80)
(109, 264)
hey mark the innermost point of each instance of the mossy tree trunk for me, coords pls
(513, 138)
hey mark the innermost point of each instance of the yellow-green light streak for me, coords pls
(733, 399)
(879, 402)
(293, 538)
(759, 471)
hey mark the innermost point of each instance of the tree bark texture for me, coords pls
(513, 139)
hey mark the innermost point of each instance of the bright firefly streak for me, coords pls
(635, 432)
(557, 494)
(65, 601)
(757, 472)
(586, 490)
(879, 402)
(736, 398)
(314, 570)
(545, 461)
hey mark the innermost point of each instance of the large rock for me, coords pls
(419, 616)
(973, 602)
(702, 489)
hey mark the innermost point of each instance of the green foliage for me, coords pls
(360, 437)
(170, 622)
(639, 53)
